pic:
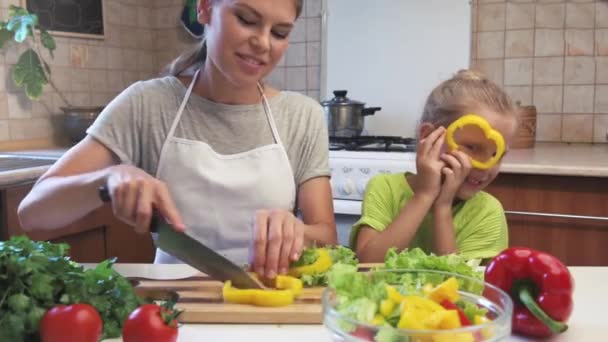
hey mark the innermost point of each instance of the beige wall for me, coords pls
(141, 37)
(550, 53)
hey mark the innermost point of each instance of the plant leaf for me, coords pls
(22, 26)
(16, 10)
(28, 73)
(47, 41)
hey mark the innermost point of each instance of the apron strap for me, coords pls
(269, 117)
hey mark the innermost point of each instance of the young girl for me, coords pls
(442, 208)
(221, 155)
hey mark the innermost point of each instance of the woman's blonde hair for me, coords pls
(197, 55)
(467, 90)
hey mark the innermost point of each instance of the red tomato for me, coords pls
(364, 334)
(150, 323)
(71, 323)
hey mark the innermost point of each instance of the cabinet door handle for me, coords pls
(580, 217)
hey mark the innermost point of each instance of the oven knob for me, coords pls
(361, 186)
(348, 187)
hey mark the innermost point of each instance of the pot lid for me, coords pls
(340, 99)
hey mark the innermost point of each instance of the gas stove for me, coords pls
(354, 163)
(372, 143)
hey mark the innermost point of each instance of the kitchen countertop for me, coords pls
(587, 322)
(561, 159)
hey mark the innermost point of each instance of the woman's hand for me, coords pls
(278, 240)
(458, 166)
(135, 194)
(429, 165)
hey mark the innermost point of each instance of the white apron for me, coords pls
(217, 195)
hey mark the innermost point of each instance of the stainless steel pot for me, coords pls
(346, 117)
(77, 120)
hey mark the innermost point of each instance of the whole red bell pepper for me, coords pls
(541, 287)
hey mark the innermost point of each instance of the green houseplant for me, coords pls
(32, 72)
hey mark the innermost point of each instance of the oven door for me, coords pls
(347, 212)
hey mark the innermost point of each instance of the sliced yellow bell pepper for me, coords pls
(457, 337)
(393, 294)
(386, 307)
(378, 320)
(288, 288)
(421, 304)
(322, 264)
(489, 132)
(448, 290)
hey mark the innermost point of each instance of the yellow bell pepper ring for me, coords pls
(288, 288)
(489, 132)
(322, 264)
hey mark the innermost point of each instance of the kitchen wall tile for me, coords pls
(313, 29)
(3, 105)
(519, 43)
(61, 55)
(549, 42)
(112, 36)
(518, 71)
(61, 78)
(129, 60)
(577, 128)
(550, 15)
(521, 94)
(474, 17)
(277, 78)
(549, 127)
(295, 78)
(491, 44)
(298, 33)
(492, 17)
(579, 70)
(600, 128)
(313, 75)
(98, 57)
(601, 99)
(580, 15)
(115, 81)
(79, 80)
(296, 55)
(145, 17)
(601, 38)
(548, 99)
(474, 44)
(520, 15)
(146, 39)
(491, 68)
(601, 14)
(80, 98)
(313, 8)
(128, 15)
(490, 1)
(14, 52)
(19, 106)
(313, 53)
(4, 130)
(548, 70)
(579, 42)
(578, 99)
(129, 38)
(601, 70)
(98, 80)
(314, 94)
(112, 12)
(146, 61)
(115, 59)
(130, 77)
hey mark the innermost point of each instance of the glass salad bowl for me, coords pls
(415, 306)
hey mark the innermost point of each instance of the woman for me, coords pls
(232, 158)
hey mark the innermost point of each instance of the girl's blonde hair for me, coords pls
(467, 90)
(197, 55)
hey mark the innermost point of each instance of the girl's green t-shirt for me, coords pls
(479, 222)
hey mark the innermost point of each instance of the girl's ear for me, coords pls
(203, 10)
(425, 129)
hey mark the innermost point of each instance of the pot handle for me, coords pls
(370, 110)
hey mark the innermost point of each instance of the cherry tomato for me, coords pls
(71, 323)
(151, 323)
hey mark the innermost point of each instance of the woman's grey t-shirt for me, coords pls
(135, 125)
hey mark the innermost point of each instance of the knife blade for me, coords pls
(194, 253)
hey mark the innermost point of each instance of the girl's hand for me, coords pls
(134, 196)
(429, 165)
(278, 240)
(457, 169)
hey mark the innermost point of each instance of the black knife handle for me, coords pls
(104, 195)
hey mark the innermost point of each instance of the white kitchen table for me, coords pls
(589, 321)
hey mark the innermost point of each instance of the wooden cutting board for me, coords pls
(201, 299)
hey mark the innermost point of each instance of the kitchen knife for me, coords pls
(194, 253)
